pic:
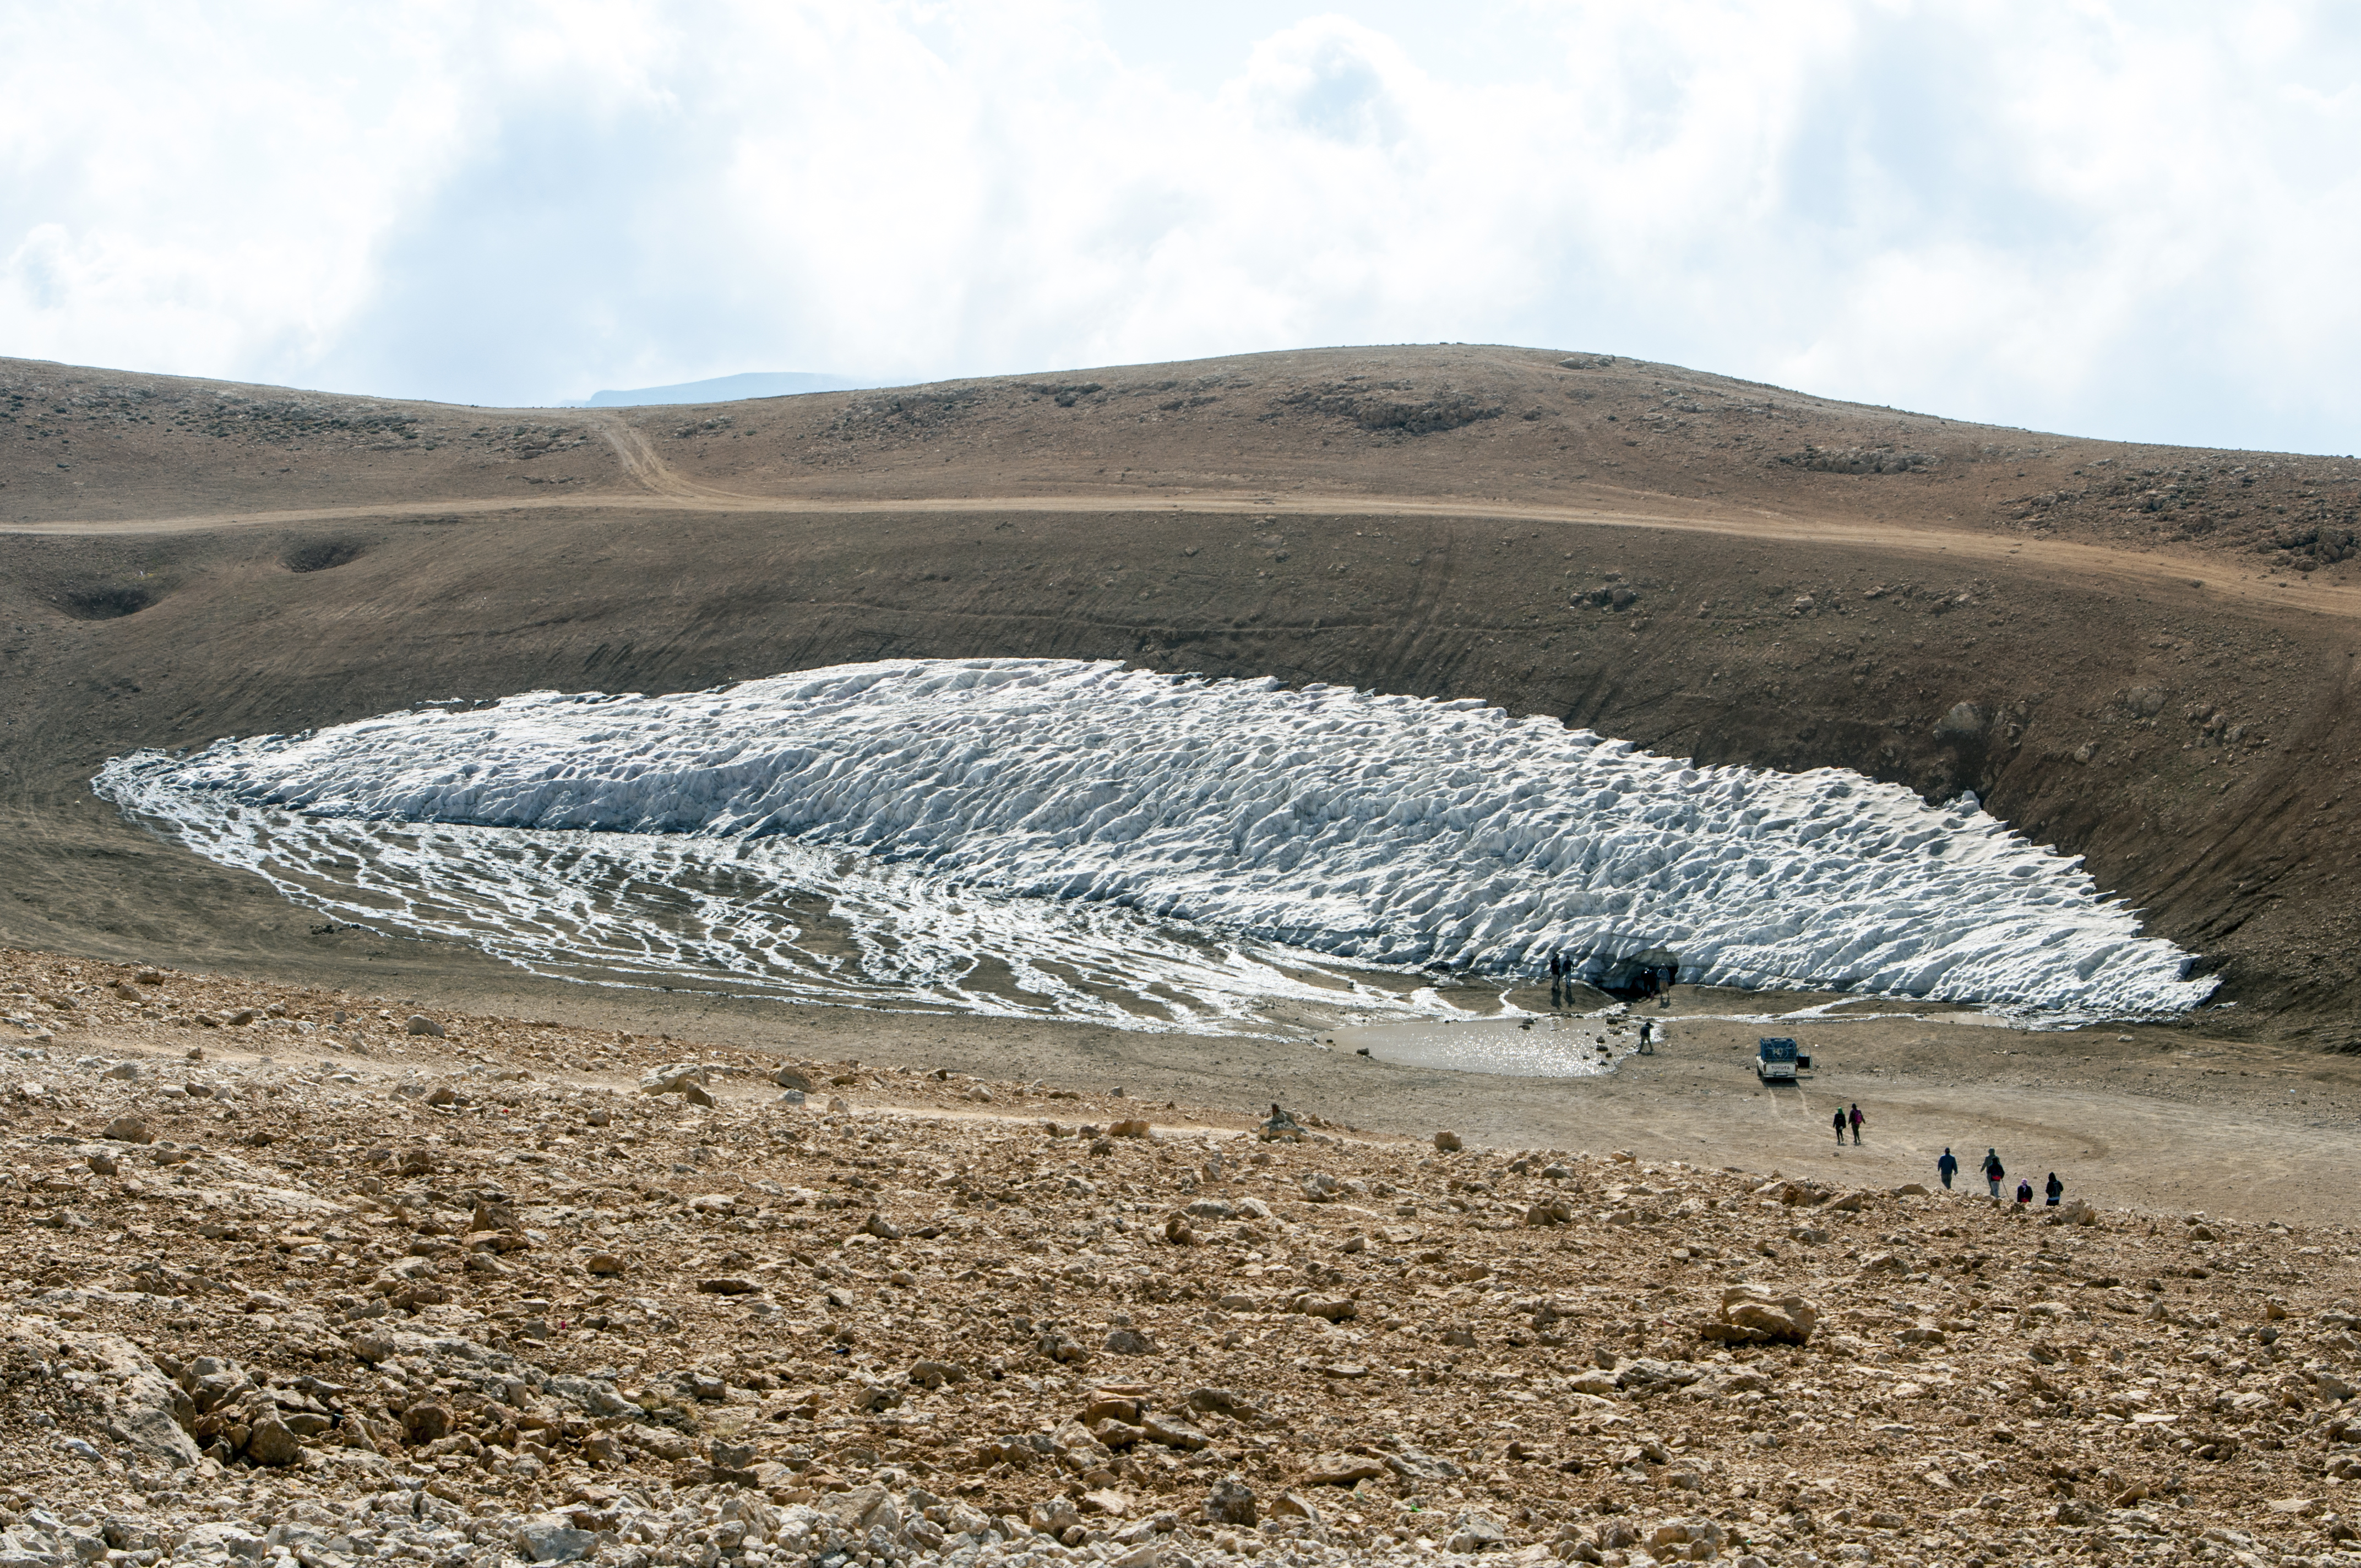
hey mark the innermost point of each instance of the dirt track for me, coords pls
(2166, 574)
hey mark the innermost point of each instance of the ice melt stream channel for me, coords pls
(1056, 838)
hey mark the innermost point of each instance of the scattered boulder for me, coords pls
(269, 1441)
(1333, 1309)
(416, 1023)
(1749, 1316)
(552, 1540)
(1231, 1502)
(675, 1078)
(1425, 1469)
(1342, 1470)
(1476, 1532)
(1448, 1143)
(425, 1422)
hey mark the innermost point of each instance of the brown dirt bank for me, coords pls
(1726, 589)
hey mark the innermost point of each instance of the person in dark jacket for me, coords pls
(1839, 1124)
(1993, 1170)
(1856, 1124)
(2055, 1188)
(2024, 1194)
(1947, 1168)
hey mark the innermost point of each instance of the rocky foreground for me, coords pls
(300, 1277)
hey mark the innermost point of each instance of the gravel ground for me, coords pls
(289, 1282)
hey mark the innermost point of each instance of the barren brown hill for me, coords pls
(2141, 654)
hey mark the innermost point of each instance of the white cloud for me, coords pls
(2116, 221)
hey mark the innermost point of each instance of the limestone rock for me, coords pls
(1476, 1532)
(1342, 1470)
(270, 1442)
(673, 1078)
(1426, 1469)
(1231, 1502)
(552, 1540)
(1751, 1316)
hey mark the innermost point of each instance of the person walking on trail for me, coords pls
(1947, 1168)
(1994, 1171)
(2024, 1194)
(1856, 1125)
(2055, 1188)
(1648, 1037)
(1839, 1126)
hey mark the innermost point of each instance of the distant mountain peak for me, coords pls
(728, 389)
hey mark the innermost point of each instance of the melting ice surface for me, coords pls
(1055, 837)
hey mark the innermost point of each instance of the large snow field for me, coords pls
(1049, 834)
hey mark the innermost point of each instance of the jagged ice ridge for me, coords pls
(1380, 828)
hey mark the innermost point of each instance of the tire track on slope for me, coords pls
(644, 465)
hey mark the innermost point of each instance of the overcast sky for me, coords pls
(2140, 221)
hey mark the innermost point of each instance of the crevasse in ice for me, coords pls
(1381, 828)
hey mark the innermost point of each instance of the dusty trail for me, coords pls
(2184, 577)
